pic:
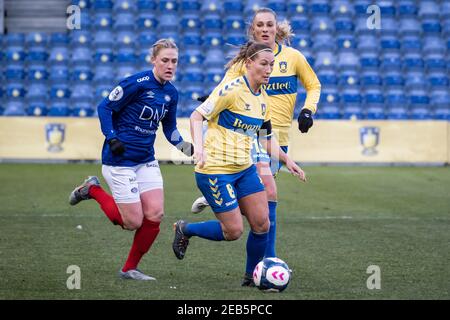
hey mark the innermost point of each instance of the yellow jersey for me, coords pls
(290, 66)
(235, 114)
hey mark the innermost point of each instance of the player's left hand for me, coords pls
(186, 147)
(305, 120)
(296, 170)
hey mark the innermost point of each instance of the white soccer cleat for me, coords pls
(134, 274)
(199, 205)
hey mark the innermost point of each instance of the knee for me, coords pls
(233, 233)
(132, 223)
(261, 226)
(271, 191)
(155, 214)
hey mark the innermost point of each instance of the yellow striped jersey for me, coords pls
(235, 114)
(290, 66)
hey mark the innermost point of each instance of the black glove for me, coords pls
(116, 146)
(186, 147)
(202, 98)
(305, 120)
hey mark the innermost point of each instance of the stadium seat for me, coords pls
(147, 21)
(212, 6)
(325, 60)
(37, 72)
(15, 72)
(146, 6)
(83, 4)
(428, 9)
(102, 91)
(15, 53)
(389, 43)
(59, 73)
(438, 79)
(193, 75)
(298, 7)
(433, 44)
(327, 78)
(412, 61)
(59, 91)
(214, 75)
(397, 112)
(346, 41)
(233, 7)
(415, 80)
(352, 111)
(125, 21)
(103, 55)
(36, 39)
(103, 38)
(251, 6)
(349, 78)
(81, 38)
(147, 38)
(37, 108)
(58, 109)
(387, 8)
(375, 112)
(369, 60)
(407, 8)
(393, 79)
(15, 90)
(390, 26)
(126, 38)
(214, 58)
(235, 38)
(234, 23)
(328, 111)
(368, 43)
(409, 26)
(435, 61)
(445, 10)
(391, 61)
(121, 6)
(343, 24)
(100, 5)
(300, 24)
(82, 93)
(351, 95)
(37, 91)
(348, 60)
(342, 8)
(319, 7)
(213, 40)
(191, 22)
(322, 24)
(124, 71)
(81, 55)
(370, 78)
(82, 109)
(431, 26)
(82, 73)
(279, 6)
(411, 43)
(324, 42)
(14, 108)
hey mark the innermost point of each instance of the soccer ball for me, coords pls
(272, 274)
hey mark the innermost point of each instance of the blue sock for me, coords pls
(256, 244)
(270, 249)
(210, 230)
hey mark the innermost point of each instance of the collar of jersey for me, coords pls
(279, 47)
(248, 85)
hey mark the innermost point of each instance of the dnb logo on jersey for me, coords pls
(283, 66)
(369, 137)
(54, 135)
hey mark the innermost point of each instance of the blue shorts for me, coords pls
(259, 154)
(223, 191)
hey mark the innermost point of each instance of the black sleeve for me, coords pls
(266, 130)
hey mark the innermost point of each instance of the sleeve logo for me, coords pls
(116, 94)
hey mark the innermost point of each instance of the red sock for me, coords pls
(143, 240)
(107, 204)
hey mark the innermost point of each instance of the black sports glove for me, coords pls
(305, 120)
(186, 147)
(116, 146)
(202, 98)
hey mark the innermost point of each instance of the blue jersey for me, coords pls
(132, 112)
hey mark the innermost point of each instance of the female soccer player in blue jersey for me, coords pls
(129, 119)
(289, 67)
(225, 173)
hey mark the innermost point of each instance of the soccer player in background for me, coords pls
(225, 172)
(289, 67)
(129, 119)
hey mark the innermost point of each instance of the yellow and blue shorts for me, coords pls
(223, 191)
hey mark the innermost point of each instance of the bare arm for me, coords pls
(196, 121)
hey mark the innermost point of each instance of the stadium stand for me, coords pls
(398, 72)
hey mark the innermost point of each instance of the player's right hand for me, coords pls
(116, 146)
(296, 170)
(199, 157)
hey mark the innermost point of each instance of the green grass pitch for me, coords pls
(330, 230)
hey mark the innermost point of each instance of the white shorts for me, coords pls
(127, 183)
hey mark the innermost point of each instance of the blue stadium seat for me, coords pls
(15, 53)
(348, 78)
(369, 60)
(411, 43)
(431, 26)
(59, 109)
(319, 7)
(435, 61)
(36, 39)
(82, 73)
(361, 7)
(83, 4)
(251, 6)
(279, 6)
(168, 21)
(102, 20)
(342, 8)
(393, 79)
(343, 24)
(82, 93)
(438, 79)
(397, 112)
(124, 6)
(235, 38)
(37, 91)
(298, 7)
(325, 60)
(173, 35)
(445, 10)
(81, 55)
(103, 55)
(328, 111)
(446, 27)
(59, 39)
(124, 71)
(191, 22)
(192, 56)
(389, 26)
(191, 92)
(214, 58)
(125, 38)
(14, 108)
(126, 55)
(82, 109)
(81, 38)
(300, 24)
(212, 22)
(415, 80)
(191, 39)
(233, 7)
(101, 91)
(14, 72)
(147, 21)
(37, 72)
(190, 6)
(352, 111)
(348, 60)
(15, 39)
(125, 21)
(433, 44)
(214, 75)
(428, 9)
(146, 6)
(396, 97)
(59, 73)
(302, 41)
(407, 8)
(368, 43)
(59, 91)
(387, 8)
(103, 38)
(327, 78)
(391, 61)
(389, 43)
(37, 108)
(375, 112)
(193, 75)
(351, 95)
(409, 26)
(324, 42)
(15, 90)
(212, 6)
(213, 40)
(361, 26)
(330, 94)
(413, 61)
(371, 78)
(418, 99)
(99, 5)
(147, 38)
(322, 24)
(234, 23)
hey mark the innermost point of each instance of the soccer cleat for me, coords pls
(81, 193)
(180, 242)
(199, 205)
(134, 274)
(248, 281)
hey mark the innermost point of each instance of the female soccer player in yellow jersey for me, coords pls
(225, 172)
(289, 67)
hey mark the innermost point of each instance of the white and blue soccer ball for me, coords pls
(272, 274)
